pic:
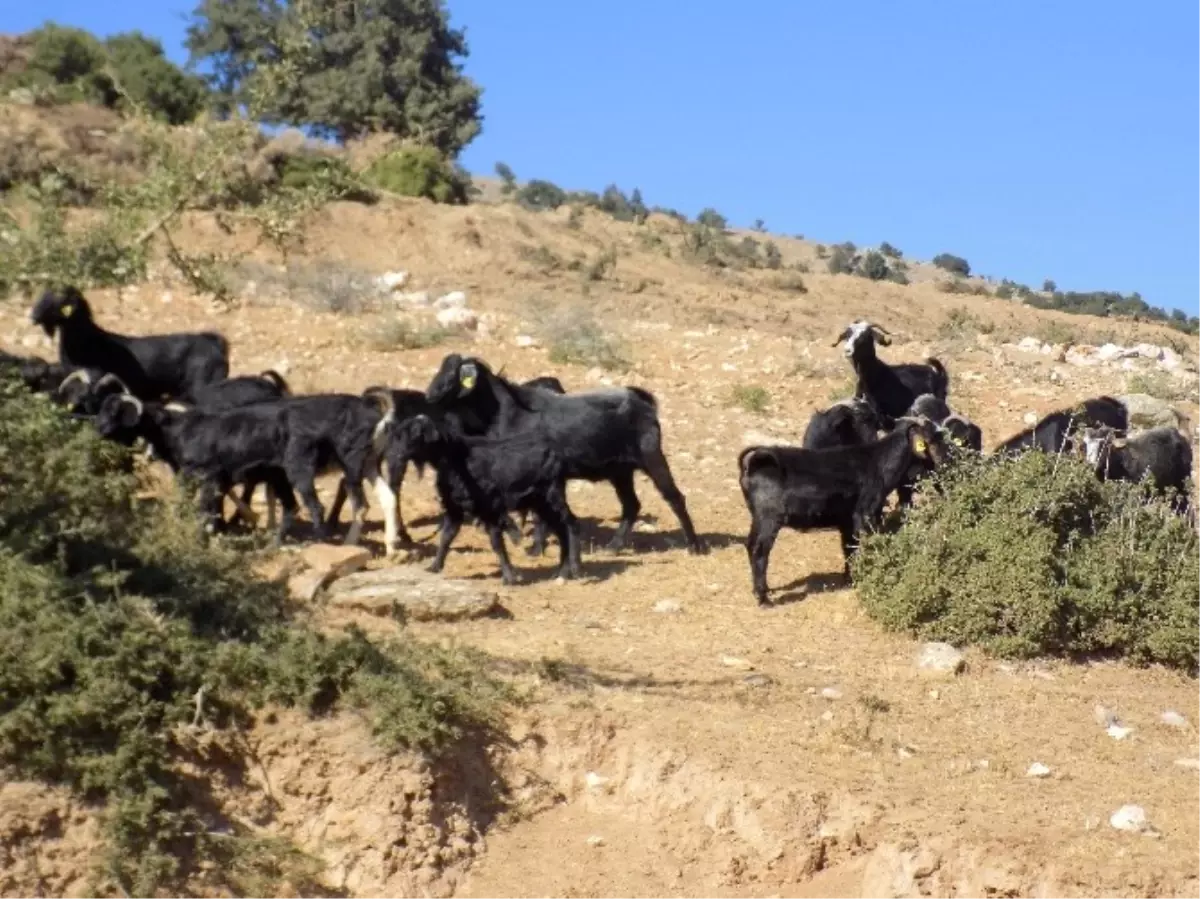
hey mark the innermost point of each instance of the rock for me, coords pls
(413, 298)
(893, 871)
(1030, 418)
(827, 715)
(594, 780)
(1117, 732)
(1147, 351)
(1171, 718)
(390, 281)
(455, 299)
(524, 340)
(1029, 345)
(325, 562)
(735, 662)
(1194, 764)
(1037, 769)
(668, 607)
(831, 693)
(1146, 411)
(940, 659)
(457, 317)
(1132, 818)
(1081, 356)
(757, 680)
(595, 840)
(1170, 359)
(420, 595)
(1110, 352)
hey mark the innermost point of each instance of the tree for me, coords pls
(638, 206)
(888, 250)
(760, 225)
(152, 81)
(342, 69)
(873, 266)
(710, 218)
(956, 265)
(506, 175)
(1049, 286)
(774, 259)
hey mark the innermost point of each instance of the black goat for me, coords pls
(546, 382)
(603, 435)
(849, 422)
(842, 487)
(891, 389)
(83, 390)
(929, 406)
(1053, 432)
(171, 365)
(285, 443)
(36, 374)
(963, 433)
(486, 479)
(1162, 453)
(241, 391)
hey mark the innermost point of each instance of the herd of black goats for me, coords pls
(500, 448)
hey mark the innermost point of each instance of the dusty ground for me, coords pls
(720, 769)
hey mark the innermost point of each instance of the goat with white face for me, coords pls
(890, 389)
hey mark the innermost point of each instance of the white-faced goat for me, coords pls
(1163, 454)
(1052, 433)
(285, 443)
(487, 478)
(176, 366)
(849, 422)
(603, 435)
(842, 488)
(890, 389)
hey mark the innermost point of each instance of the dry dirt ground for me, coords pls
(693, 752)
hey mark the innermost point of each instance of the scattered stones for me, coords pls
(456, 299)
(415, 592)
(1146, 411)
(735, 662)
(1030, 345)
(457, 317)
(668, 607)
(325, 562)
(1172, 718)
(831, 693)
(940, 659)
(1132, 818)
(413, 298)
(1037, 769)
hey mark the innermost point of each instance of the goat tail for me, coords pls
(381, 399)
(274, 377)
(943, 375)
(752, 459)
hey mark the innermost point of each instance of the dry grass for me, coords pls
(574, 336)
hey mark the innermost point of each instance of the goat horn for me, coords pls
(845, 333)
(137, 404)
(110, 378)
(80, 374)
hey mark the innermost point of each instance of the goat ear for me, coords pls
(881, 336)
(916, 439)
(845, 333)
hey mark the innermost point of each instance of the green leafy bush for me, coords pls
(420, 172)
(1034, 556)
(538, 195)
(123, 627)
(956, 265)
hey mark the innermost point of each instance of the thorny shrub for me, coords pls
(124, 629)
(1034, 556)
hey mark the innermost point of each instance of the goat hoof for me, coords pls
(763, 602)
(699, 548)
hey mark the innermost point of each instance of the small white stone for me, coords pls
(1172, 718)
(594, 780)
(1030, 418)
(735, 662)
(827, 715)
(668, 607)
(905, 752)
(1037, 769)
(456, 299)
(939, 658)
(1132, 818)
(166, 297)
(1117, 732)
(935, 694)
(524, 340)
(390, 281)
(831, 693)
(595, 840)
(457, 317)
(1194, 764)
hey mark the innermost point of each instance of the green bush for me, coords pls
(956, 265)
(420, 172)
(841, 261)
(307, 171)
(873, 265)
(889, 251)
(1034, 556)
(123, 626)
(710, 218)
(772, 258)
(539, 195)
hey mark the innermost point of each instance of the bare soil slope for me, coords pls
(717, 749)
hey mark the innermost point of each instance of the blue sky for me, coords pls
(1037, 140)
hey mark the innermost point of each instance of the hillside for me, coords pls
(704, 746)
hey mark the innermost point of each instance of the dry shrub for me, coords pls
(573, 335)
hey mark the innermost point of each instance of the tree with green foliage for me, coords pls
(710, 218)
(507, 176)
(342, 69)
(638, 206)
(1049, 286)
(70, 64)
(956, 265)
(890, 251)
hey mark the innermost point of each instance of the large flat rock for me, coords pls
(417, 593)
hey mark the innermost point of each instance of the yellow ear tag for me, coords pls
(467, 381)
(958, 441)
(68, 310)
(919, 446)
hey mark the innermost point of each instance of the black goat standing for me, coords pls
(171, 365)
(603, 435)
(849, 422)
(486, 479)
(1163, 454)
(843, 488)
(1052, 433)
(890, 389)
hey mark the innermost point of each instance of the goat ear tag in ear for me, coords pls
(68, 309)
(920, 447)
(466, 376)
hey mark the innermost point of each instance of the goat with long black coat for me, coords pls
(842, 487)
(603, 435)
(486, 479)
(849, 422)
(890, 389)
(1163, 454)
(1053, 432)
(164, 365)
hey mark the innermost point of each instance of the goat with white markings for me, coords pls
(890, 389)
(176, 366)
(842, 488)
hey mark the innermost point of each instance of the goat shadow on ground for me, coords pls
(810, 585)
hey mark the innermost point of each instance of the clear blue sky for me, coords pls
(1036, 139)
